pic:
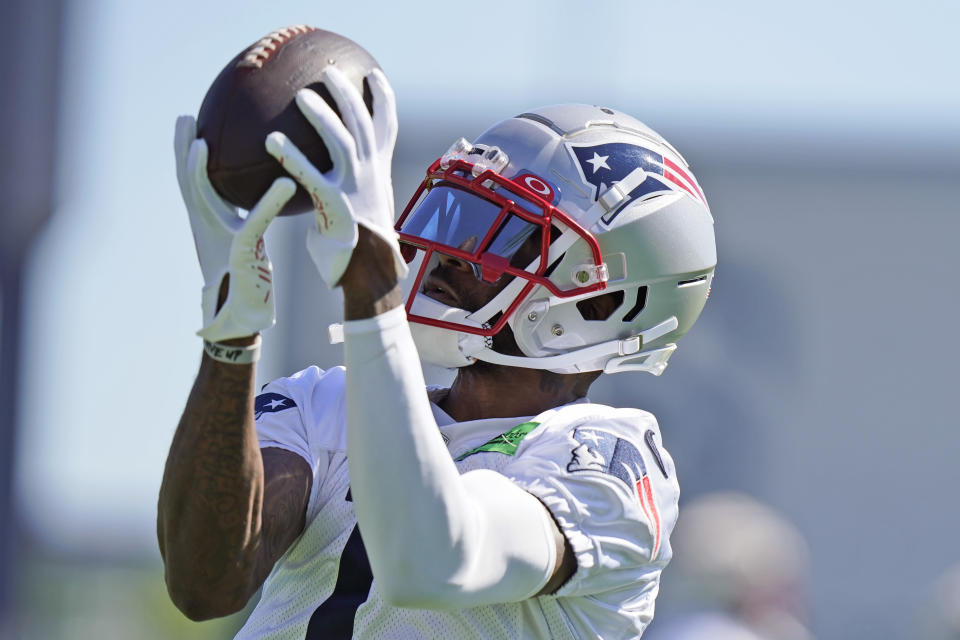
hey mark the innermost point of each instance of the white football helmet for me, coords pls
(572, 201)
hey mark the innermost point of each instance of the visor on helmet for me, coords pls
(456, 219)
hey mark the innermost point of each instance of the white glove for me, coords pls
(228, 244)
(358, 189)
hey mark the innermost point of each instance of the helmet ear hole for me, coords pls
(638, 307)
(600, 307)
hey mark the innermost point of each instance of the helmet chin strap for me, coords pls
(454, 349)
(611, 356)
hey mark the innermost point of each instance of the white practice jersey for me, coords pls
(602, 472)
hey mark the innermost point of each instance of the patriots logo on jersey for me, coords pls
(271, 403)
(602, 165)
(601, 451)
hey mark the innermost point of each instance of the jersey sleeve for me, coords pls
(604, 476)
(301, 413)
(279, 423)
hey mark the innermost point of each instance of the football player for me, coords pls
(563, 243)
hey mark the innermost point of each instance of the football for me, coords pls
(255, 95)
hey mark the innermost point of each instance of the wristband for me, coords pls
(233, 354)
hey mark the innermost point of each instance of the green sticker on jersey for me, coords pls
(506, 443)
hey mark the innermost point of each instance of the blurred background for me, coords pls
(818, 391)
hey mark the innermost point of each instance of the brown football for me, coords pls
(254, 95)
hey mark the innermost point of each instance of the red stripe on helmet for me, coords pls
(673, 170)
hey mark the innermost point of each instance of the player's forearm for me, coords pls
(383, 453)
(209, 511)
(435, 539)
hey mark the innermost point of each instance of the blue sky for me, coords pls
(114, 285)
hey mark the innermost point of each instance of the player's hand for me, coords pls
(358, 190)
(228, 245)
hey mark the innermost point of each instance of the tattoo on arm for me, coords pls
(213, 483)
(221, 520)
(288, 479)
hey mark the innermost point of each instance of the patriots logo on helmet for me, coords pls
(602, 165)
(601, 451)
